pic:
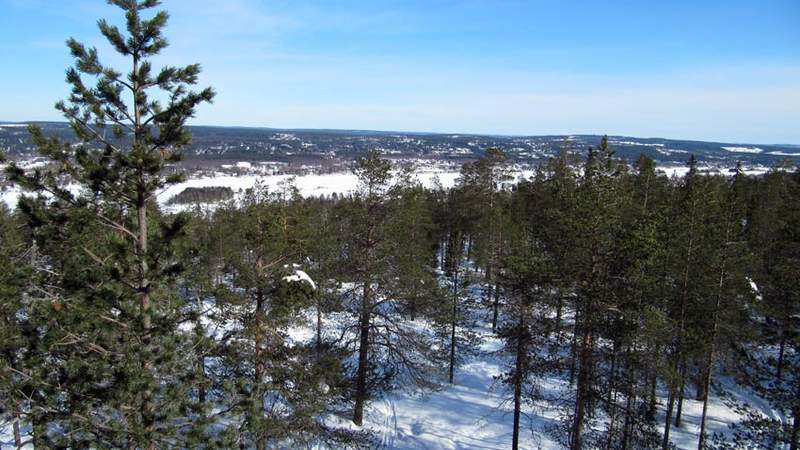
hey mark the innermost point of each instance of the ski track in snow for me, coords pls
(389, 428)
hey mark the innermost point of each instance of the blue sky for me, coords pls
(699, 69)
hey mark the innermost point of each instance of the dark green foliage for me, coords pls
(105, 364)
(206, 194)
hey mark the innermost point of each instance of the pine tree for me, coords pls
(278, 388)
(369, 215)
(125, 137)
(641, 327)
(15, 270)
(730, 263)
(526, 273)
(388, 346)
(599, 221)
(483, 181)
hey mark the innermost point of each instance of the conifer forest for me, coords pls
(622, 306)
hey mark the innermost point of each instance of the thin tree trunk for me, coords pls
(582, 397)
(782, 350)
(363, 349)
(574, 346)
(147, 410)
(678, 356)
(668, 418)
(715, 329)
(519, 372)
(611, 399)
(319, 324)
(629, 402)
(707, 383)
(453, 327)
(201, 394)
(559, 307)
(260, 368)
(496, 307)
(652, 406)
(17, 434)
(681, 390)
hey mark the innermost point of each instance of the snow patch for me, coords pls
(300, 276)
(753, 150)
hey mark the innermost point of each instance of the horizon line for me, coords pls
(439, 133)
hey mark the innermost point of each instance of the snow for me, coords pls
(311, 185)
(10, 196)
(476, 413)
(300, 276)
(754, 150)
(643, 144)
(472, 413)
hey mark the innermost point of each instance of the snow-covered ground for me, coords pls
(311, 185)
(475, 413)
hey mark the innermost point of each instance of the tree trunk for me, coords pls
(681, 389)
(714, 330)
(652, 402)
(453, 327)
(583, 394)
(17, 434)
(707, 383)
(147, 411)
(559, 307)
(496, 307)
(363, 349)
(668, 418)
(260, 368)
(574, 347)
(629, 403)
(201, 394)
(782, 350)
(519, 372)
(794, 440)
(319, 324)
(611, 399)
(700, 387)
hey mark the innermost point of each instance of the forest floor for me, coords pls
(476, 412)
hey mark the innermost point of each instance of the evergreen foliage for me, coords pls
(273, 320)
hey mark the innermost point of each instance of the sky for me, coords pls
(727, 71)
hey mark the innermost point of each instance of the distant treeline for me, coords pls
(205, 194)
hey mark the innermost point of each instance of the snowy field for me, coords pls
(316, 185)
(313, 185)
